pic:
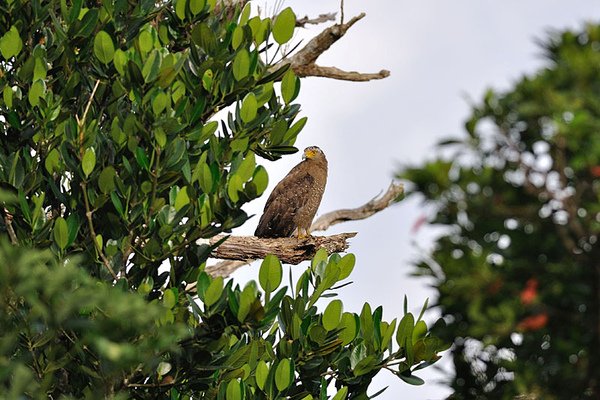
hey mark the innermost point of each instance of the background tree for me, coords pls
(118, 174)
(517, 267)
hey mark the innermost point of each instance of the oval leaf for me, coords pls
(213, 291)
(11, 43)
(249, 108)
(349, 328)
(241, 65)
(182, 199)
(89, 161)
(290, 86)
(283, 28)
(104, 48)
(332, 315)
(61, 233)
(261, 374)
(234, 392)
(270, 273)
(283, 374)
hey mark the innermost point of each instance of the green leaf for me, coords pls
(104, 48)
(61, 233)
(159, 103)
(411, 379)
(120, 61)
(88, 162)
(182, 199)
(196, 6)
(283, 27)
(332, 315)
(349, 328)
(180, 9)
(270, 273)
(419, 331)
(213, 291)
(404, 335)
(106, 180)
(205, 178)
(341, 394)
(247, 298)
(234, 391)
(246, 167)
(260, 179)
(245, 14)
(36, 91)
(114, 197)
(145, 41)
(151, 67)
(283, 374)
(7, 94)
(319, 257)
(142, 158)
(387, 334)
(290, 86)
(249, 108)
(237, 37)
(241, 65)
(233, 187)
(169, 298)
(292, 133)
(11, 43)
(52, 161)
(261, 374)
(346, 265)
(207, 80)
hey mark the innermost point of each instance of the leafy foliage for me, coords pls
(130, 130)
(517, 271)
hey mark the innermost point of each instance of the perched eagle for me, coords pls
(293, 203)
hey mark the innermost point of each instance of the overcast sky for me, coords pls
(441, 54)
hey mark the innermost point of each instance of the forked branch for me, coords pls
(304, 61)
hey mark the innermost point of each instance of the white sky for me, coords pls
(440, 53)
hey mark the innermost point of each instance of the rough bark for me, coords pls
(289, 250)
(304, 64)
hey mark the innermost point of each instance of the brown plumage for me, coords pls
(294, 202)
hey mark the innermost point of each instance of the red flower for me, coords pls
(529, 294)
(533, 323)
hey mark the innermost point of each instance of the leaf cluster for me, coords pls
(516, 270)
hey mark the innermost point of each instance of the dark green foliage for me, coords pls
(517, 270)
(113, 158)
(60, 327)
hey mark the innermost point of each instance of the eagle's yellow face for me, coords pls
(311, 152)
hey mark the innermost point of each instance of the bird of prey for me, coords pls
(293, 203)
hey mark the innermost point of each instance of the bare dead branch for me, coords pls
(336, 73)
(322, 18)
(225, 268)
(375, 205)
(304, 61)
(289, 250)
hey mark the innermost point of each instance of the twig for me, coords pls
(88, 215)
(322, 18)
(341, 11)
(81, 122)
(366, 210)
(9, 228)
(304, 61)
